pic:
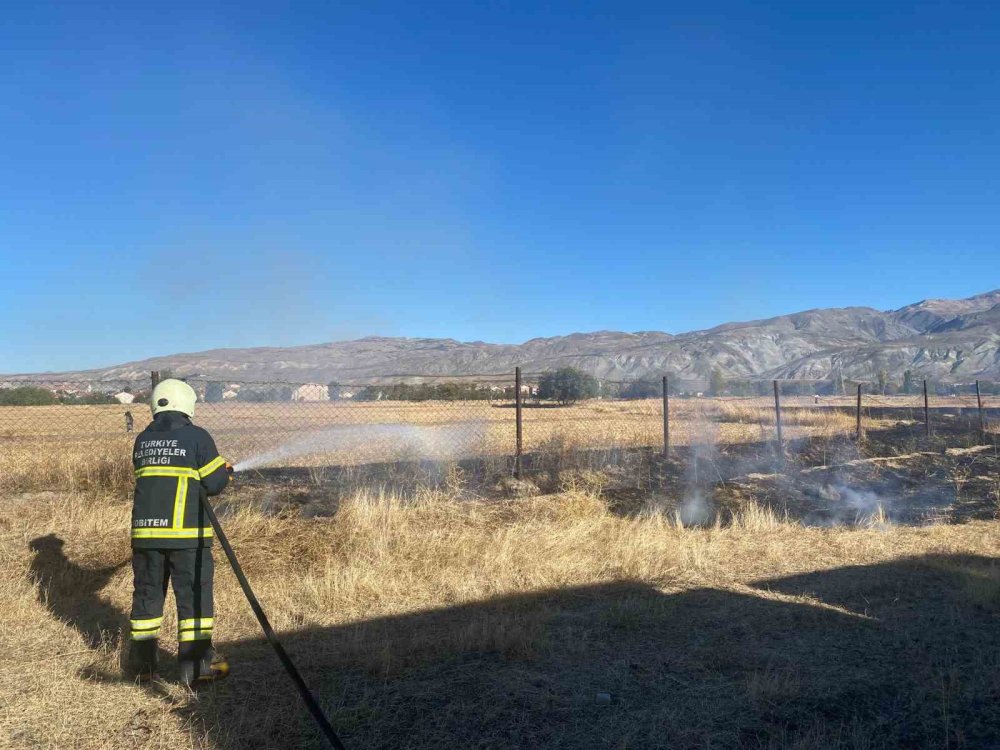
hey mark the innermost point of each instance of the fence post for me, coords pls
(982, 418)
(777, 417)
(154, 378)
(927, 413)
(666, 419)
(858, 420)
(517, 410)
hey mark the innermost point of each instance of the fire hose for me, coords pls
(269, 634)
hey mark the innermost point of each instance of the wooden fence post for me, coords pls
(927, 413)
(777, 417)
(517, 409)
(858, 419)
(666, 418)
(982, 417)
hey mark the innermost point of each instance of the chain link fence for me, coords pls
(67, 434)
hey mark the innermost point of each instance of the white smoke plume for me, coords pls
(701, 471)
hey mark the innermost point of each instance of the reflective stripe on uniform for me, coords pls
(205, 531)
(196, 623)
(211, 466)
(152, 622)
(205, 634)
(147, 629)
(166, 471)
(180, 501)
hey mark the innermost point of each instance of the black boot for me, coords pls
(199, 664)
(142, 660)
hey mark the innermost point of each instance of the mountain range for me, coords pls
(943, 340)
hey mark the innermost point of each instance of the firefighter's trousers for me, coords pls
(190, 571)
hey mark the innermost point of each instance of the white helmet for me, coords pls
(173, 395)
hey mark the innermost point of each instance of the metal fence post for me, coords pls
(982, 417)
(666, 418)
(927, 413)
(777, 417)
(517, 410)
(858, 420)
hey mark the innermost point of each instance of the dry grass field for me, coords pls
(49, 447)
(446, 623)
(591, 615)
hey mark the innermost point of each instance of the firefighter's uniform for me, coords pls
(176, 466)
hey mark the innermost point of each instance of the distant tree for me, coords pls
(909, 382)
(716, 382)
(265, 393)
(27, 395)
(91, 398)
(566, 385)
(883, 381)
(741, 387)
(213, 392)
(642, 389)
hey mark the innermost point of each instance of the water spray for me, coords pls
(441, 441)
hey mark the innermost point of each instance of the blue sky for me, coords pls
(183, 177)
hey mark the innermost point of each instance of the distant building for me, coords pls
(229, 395)
(311, 392)
(124, 397)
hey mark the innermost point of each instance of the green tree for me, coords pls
(883, 381)
(91, 398)
(213, 392)
(716, 382)
(265, 393)
(567, 385)
(642, 389)
(909, 382)
(839, 387)
(27, 395)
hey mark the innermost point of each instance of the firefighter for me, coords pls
(176, 467)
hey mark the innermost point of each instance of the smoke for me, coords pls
(865, 504)
(439, 442)
(701, 471)
(851, 506)
(790, 482)
(694, 510)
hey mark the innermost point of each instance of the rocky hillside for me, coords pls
(944, 340)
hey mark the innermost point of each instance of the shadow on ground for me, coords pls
(70, 591)
(895, 655)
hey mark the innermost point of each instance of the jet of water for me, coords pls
(444, 441)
